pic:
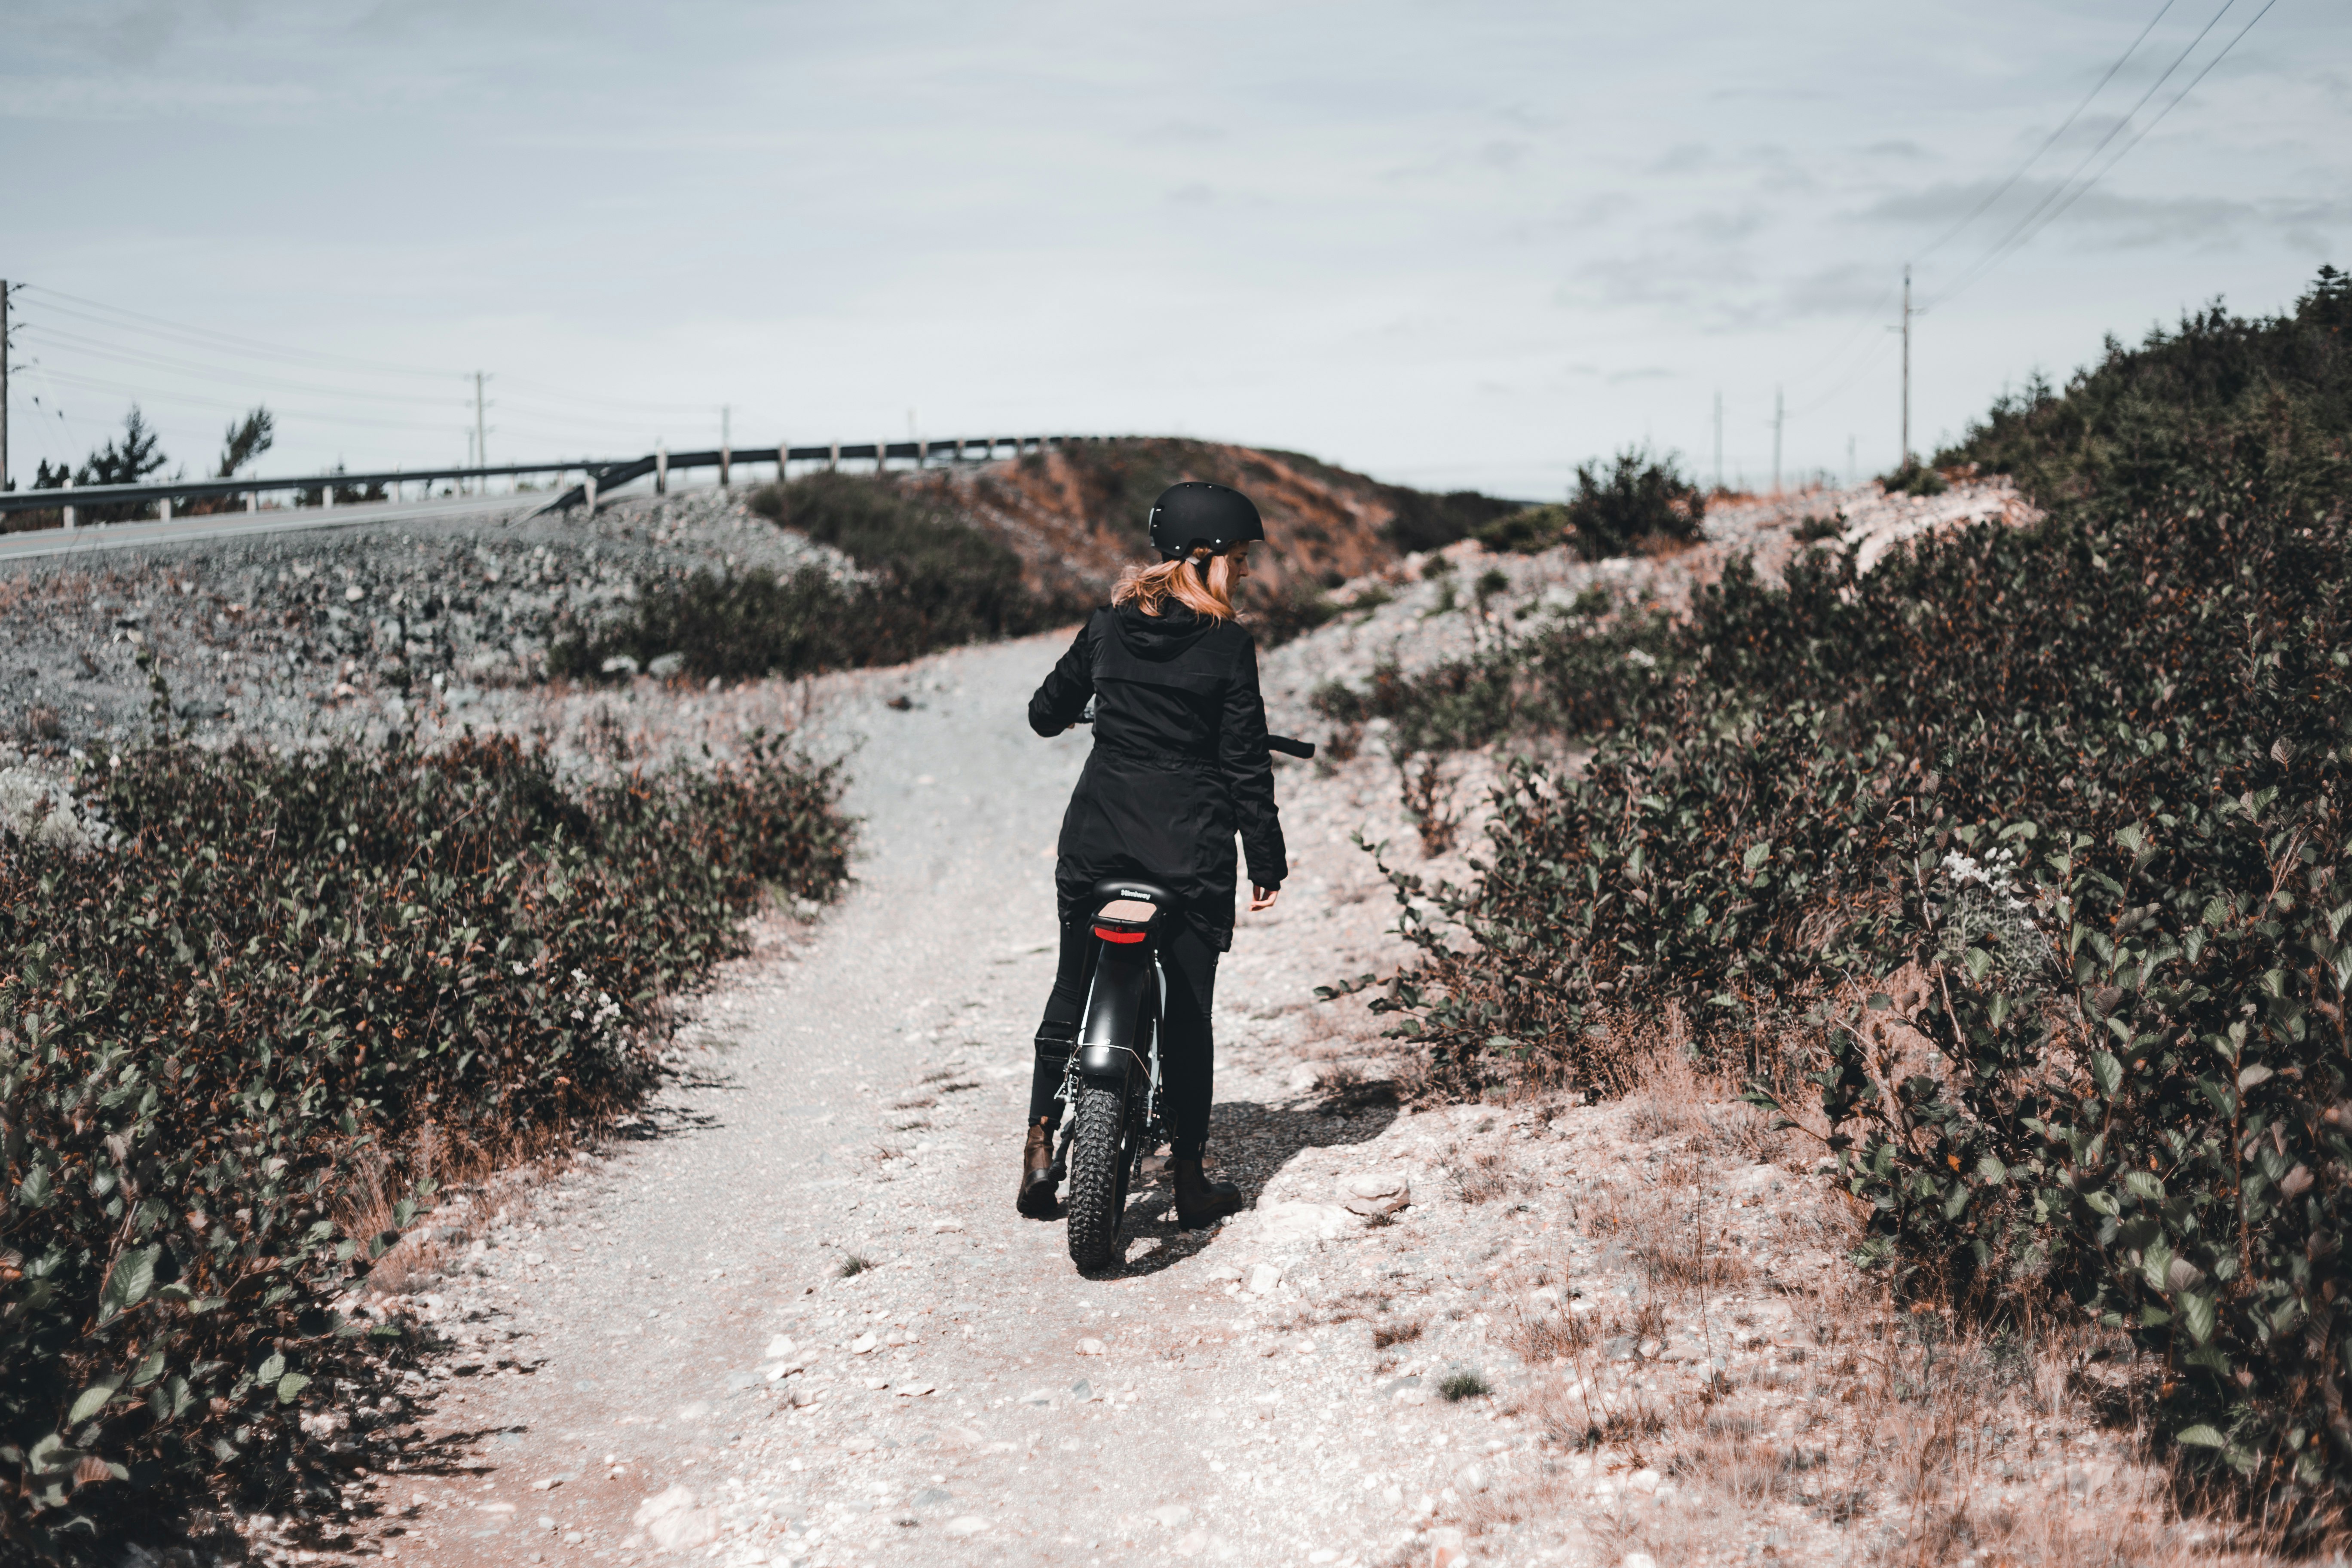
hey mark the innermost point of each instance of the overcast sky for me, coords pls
(1452, 245)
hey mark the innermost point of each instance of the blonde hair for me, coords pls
(1207, 591)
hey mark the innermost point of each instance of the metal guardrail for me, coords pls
(600, 477)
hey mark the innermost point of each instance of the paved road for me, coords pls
(230, 525)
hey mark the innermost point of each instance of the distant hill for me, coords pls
(1075, 514)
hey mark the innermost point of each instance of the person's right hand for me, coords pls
(1262, 898)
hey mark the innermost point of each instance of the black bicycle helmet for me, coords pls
(1197, 514)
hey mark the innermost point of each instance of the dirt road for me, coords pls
(643, 1292)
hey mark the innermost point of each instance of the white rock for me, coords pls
(912, 1389)
(779, 1347)
(939, 1225)
(1305, 1222)
(1638, 1559)
(1645, 1481)
(1170, 1514)
(863, 1344)
(673, 1522)
(966, 1524)
(1224, 1271)
(1090, 1347)
(1263, 1278)
(1377, 1191)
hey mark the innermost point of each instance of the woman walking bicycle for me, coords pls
(1179, 766)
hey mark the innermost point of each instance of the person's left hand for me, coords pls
(1262, 898)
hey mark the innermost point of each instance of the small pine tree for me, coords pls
(138, 455)
(247, 441)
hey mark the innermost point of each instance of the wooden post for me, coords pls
(881, 455)
(783, 459)
(833, 456)
(661, 468)
(163, 510)
(588, 488)
(252, 500)
(922, 453)
(726, 442)
(69, 512)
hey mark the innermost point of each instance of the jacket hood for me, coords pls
(1166, 635)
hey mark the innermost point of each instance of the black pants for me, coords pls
(1187, 1050)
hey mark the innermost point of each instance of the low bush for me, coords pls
(2028, 847)
(1914, 478)
(1580, 671)
(227, 1028)
(1634, 501)
(930, 582)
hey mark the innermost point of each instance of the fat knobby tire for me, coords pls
(1096, 1149)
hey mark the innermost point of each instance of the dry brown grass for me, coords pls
(474, 1183)
(1857, 1431)
(1480, 1177)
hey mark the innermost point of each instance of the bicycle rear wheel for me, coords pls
(1098, 1174)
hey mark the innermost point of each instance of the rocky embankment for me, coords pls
(291, 635)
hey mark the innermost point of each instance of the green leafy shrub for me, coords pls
(2030, 846)
(1633, 500)
(1914, 478)
(1527, 531)
(1578, 672)
(226, 1032)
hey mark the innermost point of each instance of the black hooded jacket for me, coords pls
(1178, 762)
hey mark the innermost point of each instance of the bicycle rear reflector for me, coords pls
(1110, 933)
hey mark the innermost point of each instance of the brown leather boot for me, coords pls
(1036, 1196)
(1199, 1201)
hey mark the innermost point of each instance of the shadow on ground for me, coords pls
(1248, 1142)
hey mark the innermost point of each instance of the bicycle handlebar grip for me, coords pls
(1289, 747)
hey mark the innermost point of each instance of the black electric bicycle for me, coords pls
(1111, 1085)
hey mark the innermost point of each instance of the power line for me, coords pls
(2077, 194)
(2002, 246)
(144, 394)
(2065, 125)
(207, 337)
(76, 342)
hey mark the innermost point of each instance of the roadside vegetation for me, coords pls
(1637, 500)
(2013, 872)
(927, 580)
(252, 1003)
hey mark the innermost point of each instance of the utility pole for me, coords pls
(1777, 416)
(1906, 367)
(1719, 438)
(4, 384)
(726, 441)
(481, 441)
